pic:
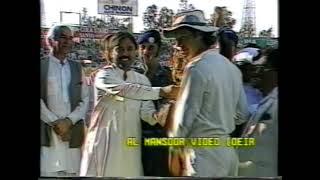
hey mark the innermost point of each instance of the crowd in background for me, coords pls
(138, 78)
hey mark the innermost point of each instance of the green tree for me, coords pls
(222, 17)
(152, 19)
(266, 33)
(165, 17)
(185, 6)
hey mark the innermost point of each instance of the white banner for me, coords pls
(118, 7)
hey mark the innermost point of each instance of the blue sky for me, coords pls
(266, 10)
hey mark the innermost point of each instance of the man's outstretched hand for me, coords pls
(170, 92)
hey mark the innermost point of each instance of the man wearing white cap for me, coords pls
(211, 101)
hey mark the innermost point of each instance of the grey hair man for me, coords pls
(64, 102)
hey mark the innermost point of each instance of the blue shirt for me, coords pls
(254, 96)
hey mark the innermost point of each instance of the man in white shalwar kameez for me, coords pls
(118, 114)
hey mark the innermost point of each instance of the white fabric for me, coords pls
(211, 102)
(212, 95)
(252, 51)
(59, 157)
(243, 56)
(92, 100)
(116, 117)
(56, 174)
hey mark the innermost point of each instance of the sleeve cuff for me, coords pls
(157, 92)
(72, 119)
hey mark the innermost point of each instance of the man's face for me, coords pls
(148, 51)
(252, 74)
(268, 77)
(124, 54)
(188, 42)
(63, 44)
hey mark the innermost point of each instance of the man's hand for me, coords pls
(170, 92)
(249, 131)
(66, 136)
(175, 164)
(62, 128)
(178, 164)
(55, 127)
(261, 127)
(258, 128)
(162, 114)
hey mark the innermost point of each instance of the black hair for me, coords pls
(228, 39)
(208, 38)
(273, 59)
(252, 45)
(225, 46)
(117, 37)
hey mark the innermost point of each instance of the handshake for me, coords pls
(62, 127)
(170, 92)
(162, 115)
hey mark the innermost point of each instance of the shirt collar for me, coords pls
(199, 57)
(56, 60)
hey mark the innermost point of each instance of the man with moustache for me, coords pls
(126, 100)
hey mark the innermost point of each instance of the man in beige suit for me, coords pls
(211, 100)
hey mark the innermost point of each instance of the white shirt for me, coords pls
(59, 157)
(212, 98)
(252, 51)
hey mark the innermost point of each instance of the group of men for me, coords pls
(136, 98)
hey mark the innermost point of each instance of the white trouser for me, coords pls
(58, 174)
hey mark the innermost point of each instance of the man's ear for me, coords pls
(51, 42)
(198, 36)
